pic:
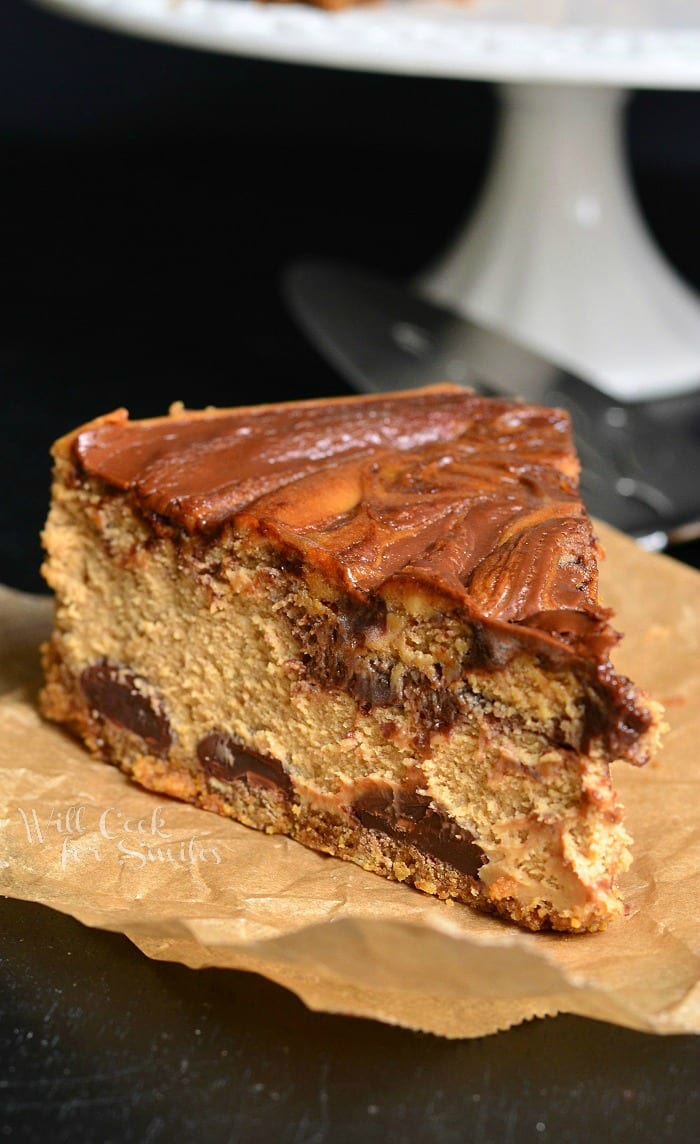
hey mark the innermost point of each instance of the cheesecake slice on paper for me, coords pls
(369, 623)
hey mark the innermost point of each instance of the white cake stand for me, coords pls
(556, 252)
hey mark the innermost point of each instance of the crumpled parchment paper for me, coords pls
(185, 885)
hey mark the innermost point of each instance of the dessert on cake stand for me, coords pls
(556, 253)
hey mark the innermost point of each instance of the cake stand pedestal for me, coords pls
(556, 253)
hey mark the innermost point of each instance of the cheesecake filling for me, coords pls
(402, 811)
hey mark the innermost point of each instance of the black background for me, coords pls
(149, 198)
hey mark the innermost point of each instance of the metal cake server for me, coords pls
(640, 460)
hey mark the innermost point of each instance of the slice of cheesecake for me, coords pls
(369, 623)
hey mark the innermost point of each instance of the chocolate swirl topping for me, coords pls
(474, 497)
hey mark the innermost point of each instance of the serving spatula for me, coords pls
(640, 460)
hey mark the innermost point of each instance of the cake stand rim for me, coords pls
(412, 38)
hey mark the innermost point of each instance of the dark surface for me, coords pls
(150, 198)
(106, 1045)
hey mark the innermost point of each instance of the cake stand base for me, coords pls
(558, 256)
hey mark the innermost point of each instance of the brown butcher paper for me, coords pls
(188, 886)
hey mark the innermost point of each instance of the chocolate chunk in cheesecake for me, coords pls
(115, 693)
(224, 758)
(405, 815)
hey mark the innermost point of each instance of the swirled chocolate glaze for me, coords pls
(474, 497)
